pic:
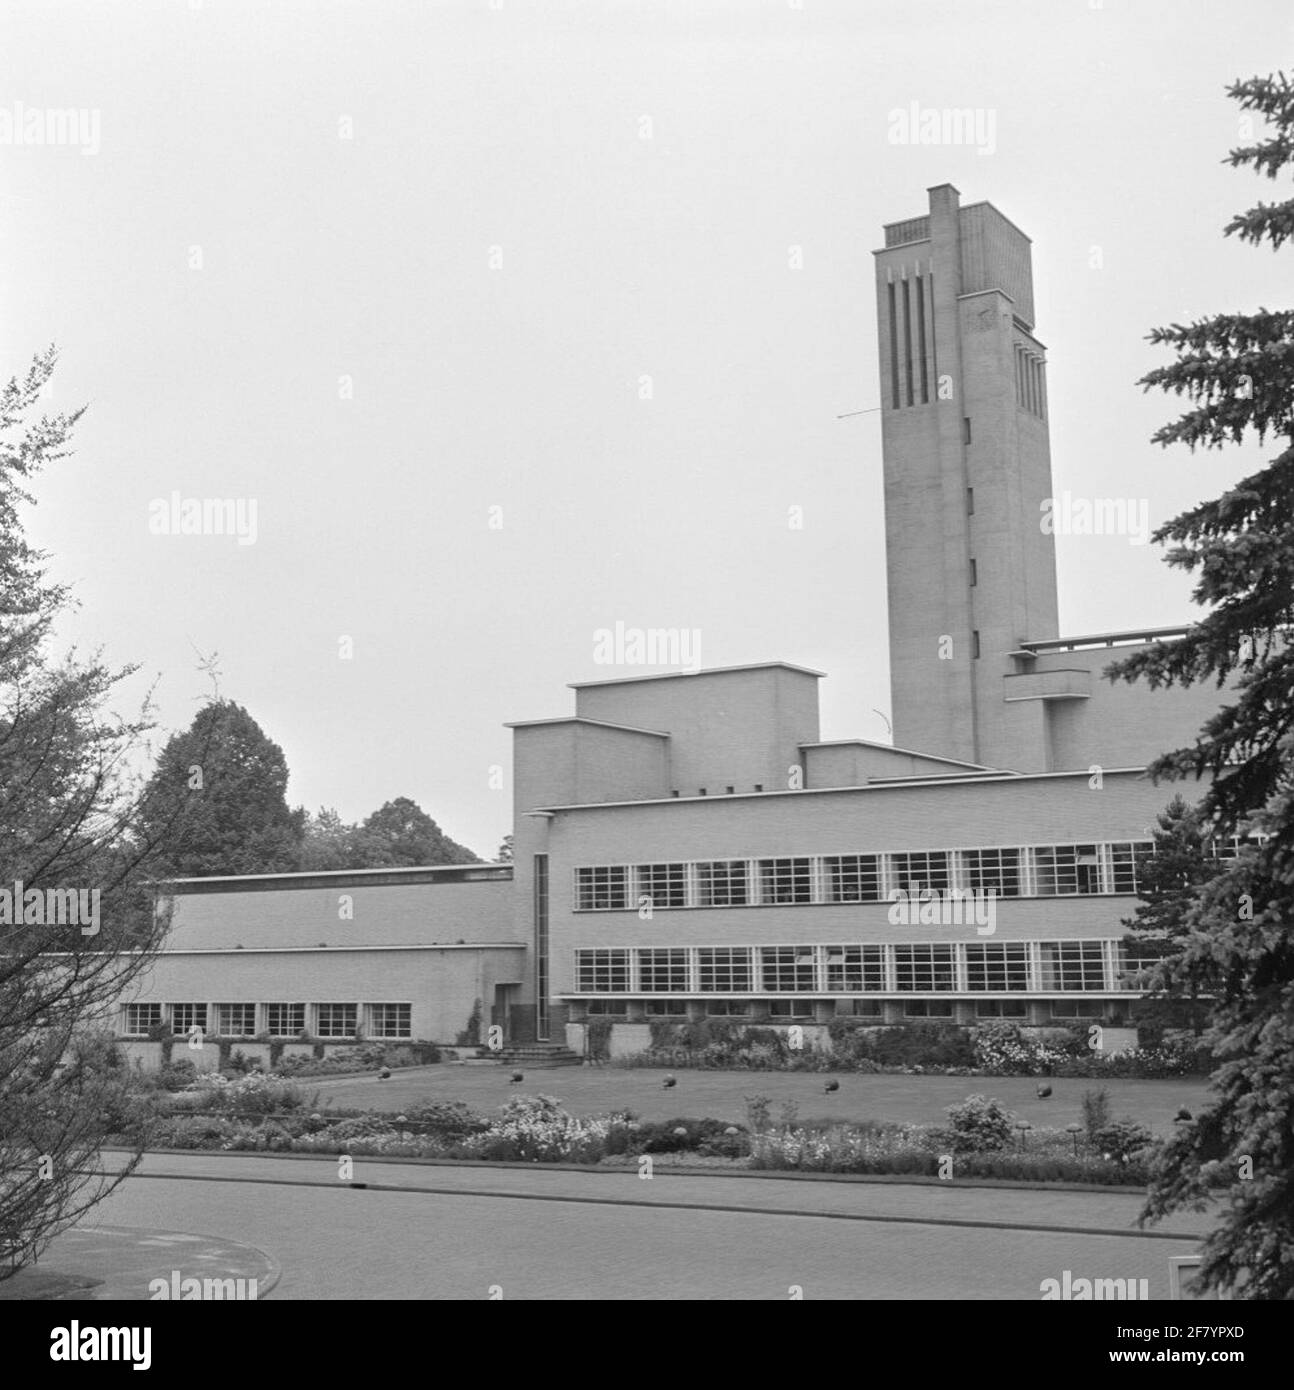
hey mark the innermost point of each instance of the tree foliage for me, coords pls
(1236, 372)
(223, 783)
(71, 820)
(399, 835)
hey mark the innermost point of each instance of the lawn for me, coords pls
(720, 1094)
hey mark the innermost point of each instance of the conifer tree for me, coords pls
(1236, 371)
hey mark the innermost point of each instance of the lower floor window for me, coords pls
(868, 1008)
(337, 1020)
(728, 1008)
(236, 1020)
(139, 1018)
(666, 1008)
(186, 1017)
(1001, 1008)
(790, 1008)
(390, 1020)
(927, 1008)
(285, 1020)
(1077, 1008)
(606, 1008)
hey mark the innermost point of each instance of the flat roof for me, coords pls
(706, 671)
(310, 878)
(889, 784)
(357, 946)
(906, 752)
(1107, 639)
(580, 719)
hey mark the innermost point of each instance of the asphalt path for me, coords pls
(440, 1232)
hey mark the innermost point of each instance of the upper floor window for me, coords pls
(602, 887)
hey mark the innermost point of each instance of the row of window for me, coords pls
(278, 1020)
(973, 967)
(1041, 871)
(861, 1008)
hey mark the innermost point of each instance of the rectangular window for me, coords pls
(602, 887)
(139, 1018)
(1125, 858)
(927, 1008)
(853, 878)
(602, 971)
(786, 880)
(1077, 966)
(921, 869)
(186, 1017)
(1077, 1008)
(663, 971)
(966, 431)
(666, 1008)
(664, 884)
(868, 1008)
(236, 1020)
(992, 870)
(337, 1020)
(390, 1020)
(539, 924)
(790, 1008)
(1001, 1008)
(724, 969)
(975, 645)
(1066, 870)
(923, 969)
(606, 1008)
(974, 573)
(970, 501)
(788, 967)
(852, 969)
(721, 883)
(728, 1008)
(996, 967)
(285, 1020)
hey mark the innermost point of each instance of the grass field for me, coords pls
(720, 1094)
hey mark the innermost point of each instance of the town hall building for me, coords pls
(687, 845)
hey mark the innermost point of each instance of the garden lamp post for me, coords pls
(1075, 1130)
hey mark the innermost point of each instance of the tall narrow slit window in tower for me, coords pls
(894, 346)
(974, 573)
(921, 343)
(907, 340)
(541, 947)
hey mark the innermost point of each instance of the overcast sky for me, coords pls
(382, 267)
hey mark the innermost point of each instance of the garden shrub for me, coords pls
(1096, 1112)
(1123, 1140)
(979, 1124)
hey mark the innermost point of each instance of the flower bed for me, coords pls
(981, 1139)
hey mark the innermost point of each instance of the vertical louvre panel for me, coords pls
(921, 343)
(894, 346)
(907, 340)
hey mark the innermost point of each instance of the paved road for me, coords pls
(509, 1230)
